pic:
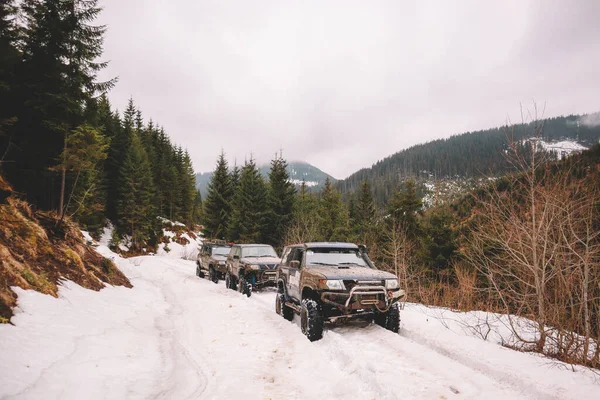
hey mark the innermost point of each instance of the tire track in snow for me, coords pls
(183, 374)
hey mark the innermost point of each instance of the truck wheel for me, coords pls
(389, 320)
(244, 287)
(311, 320)
(229, 283)
(282, 309)
(392, 322)
(212, 275)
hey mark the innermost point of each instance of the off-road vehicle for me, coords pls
(335, 282)
(212, 259)
(251, 267)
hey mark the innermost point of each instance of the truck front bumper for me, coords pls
(363, 297)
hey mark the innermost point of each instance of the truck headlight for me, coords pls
(391, 283)
(254, 266)
(333, 284)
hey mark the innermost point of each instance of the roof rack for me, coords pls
(220, 242)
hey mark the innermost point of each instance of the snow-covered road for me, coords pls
(175, 336)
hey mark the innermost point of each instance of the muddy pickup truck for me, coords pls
(251, 267)
(335, 282)
(211, 260)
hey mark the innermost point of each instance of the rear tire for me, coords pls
(311, 319)
(283, 310)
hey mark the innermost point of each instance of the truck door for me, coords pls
(294, 267)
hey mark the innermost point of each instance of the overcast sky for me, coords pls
(342, 84)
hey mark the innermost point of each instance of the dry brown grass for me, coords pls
(35, 253)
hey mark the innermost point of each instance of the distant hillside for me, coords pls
(470, 156)
(299, 171)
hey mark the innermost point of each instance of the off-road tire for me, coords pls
(244, 288)
(283, 310)
(229, 281)
(389, 320)
(212, 275)
(198, 270)
(311, 319)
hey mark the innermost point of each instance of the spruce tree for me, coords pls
(305, 219)
(56, 79)
(405, 209)
(135, 214)
(440, 239)
(365, 213)
(280, 200)
(9, 32)
(334, 216)
(217, 206)
(249, 222)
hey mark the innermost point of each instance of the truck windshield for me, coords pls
(220, 251)
(258, 251)
(335, 257)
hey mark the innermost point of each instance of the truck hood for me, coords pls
(350, 272)
(219, 258)
(260, 260)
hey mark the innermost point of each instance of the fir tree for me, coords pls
(405, 209)
(333, 214)
(249, 222)
(280, 199)
(217, 206)
(135, 210)
(365, 213)
(56, 79)
(440, 239)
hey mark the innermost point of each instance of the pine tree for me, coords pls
(249, 221)
(334, 216)
(119, 147)
(365, 213)
(305, 219)
(405, 209)
(188, 191)
(280, 200)
(9, 32)
(440, 239)
(57, 79)
(217, 206)
(136, 214)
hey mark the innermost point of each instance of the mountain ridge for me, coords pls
(299, 171)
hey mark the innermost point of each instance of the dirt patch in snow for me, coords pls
(36, 253)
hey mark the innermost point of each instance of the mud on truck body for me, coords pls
(212, 259)
(251, 267)
(335, 282)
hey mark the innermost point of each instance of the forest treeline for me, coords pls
(64, 147)
(467, 155)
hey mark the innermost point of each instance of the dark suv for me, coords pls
(335, 282)
(212, 260)
(250, 267)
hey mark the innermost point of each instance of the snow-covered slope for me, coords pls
(176, 336)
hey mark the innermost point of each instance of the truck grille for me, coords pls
(350, 283)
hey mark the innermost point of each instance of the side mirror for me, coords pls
(362, 248)
(295, 264)
(236, 257)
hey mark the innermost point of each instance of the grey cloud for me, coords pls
(341, 84)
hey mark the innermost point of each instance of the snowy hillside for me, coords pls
(561, 149)
(176, 336)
